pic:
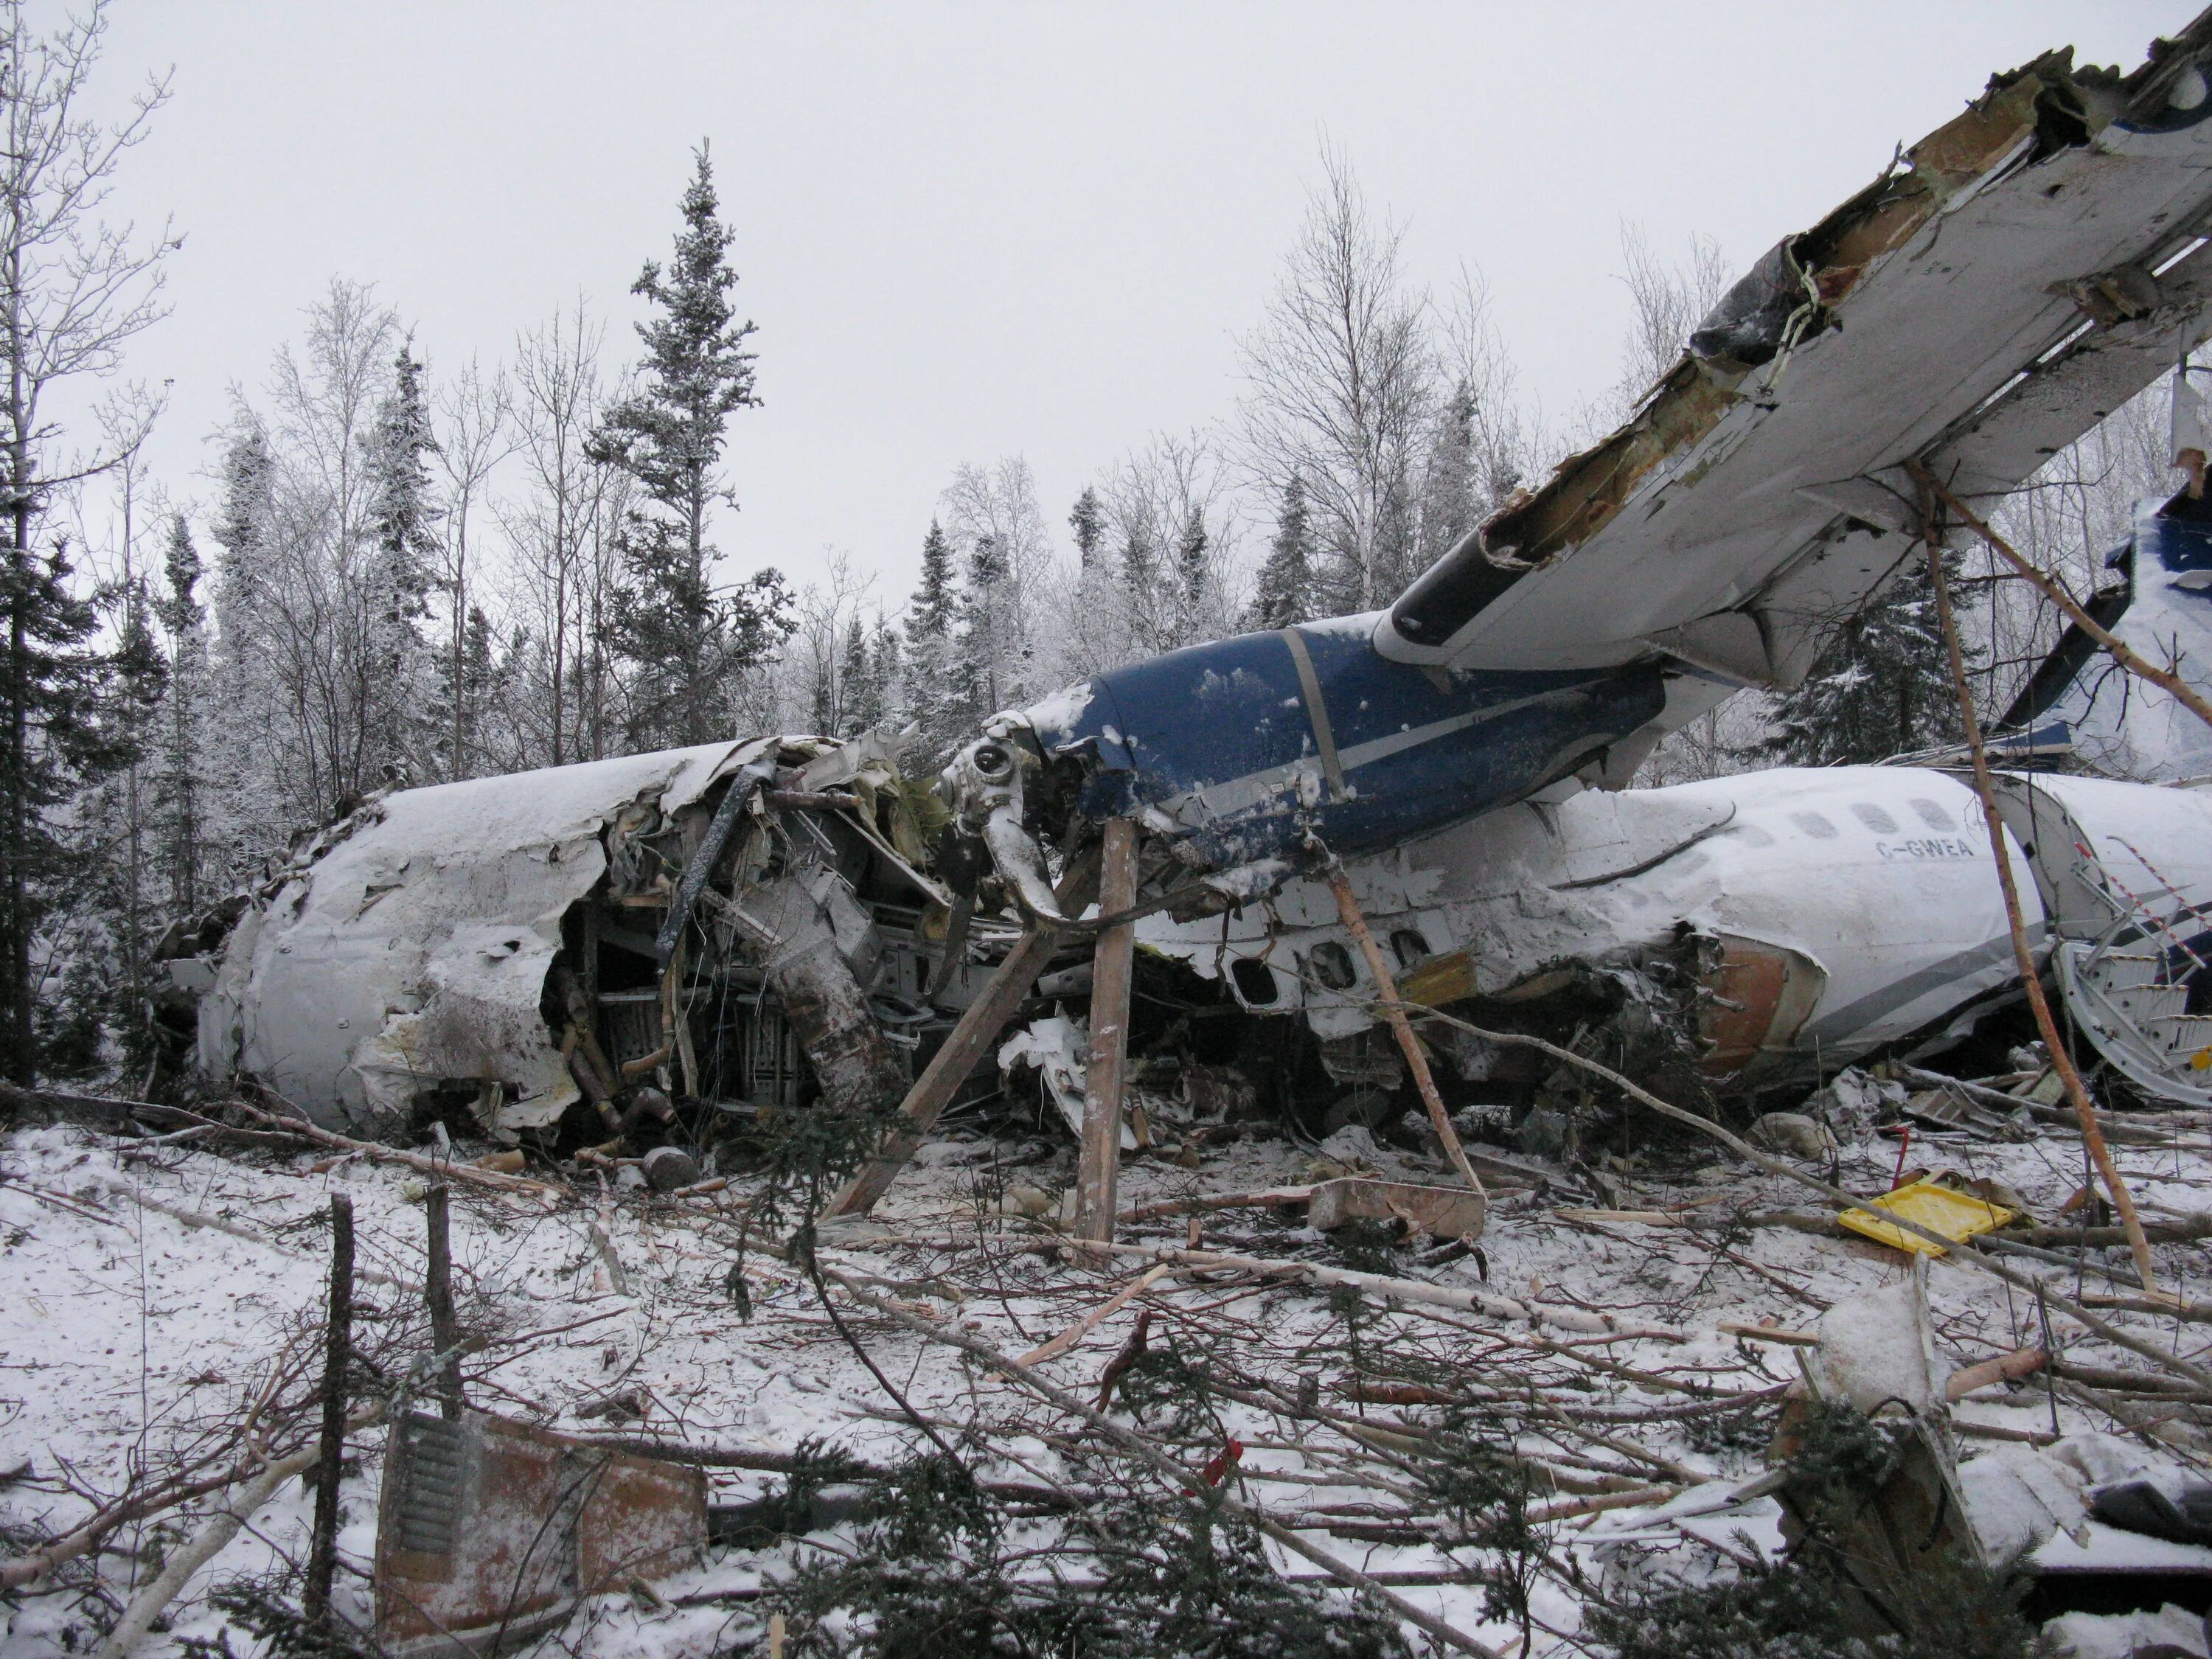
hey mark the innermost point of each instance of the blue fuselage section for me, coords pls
(1247, 745)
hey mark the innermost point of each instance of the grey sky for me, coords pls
(975, 229)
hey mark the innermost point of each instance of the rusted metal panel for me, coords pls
(490, 1532)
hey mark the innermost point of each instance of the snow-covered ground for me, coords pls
(149, 1296)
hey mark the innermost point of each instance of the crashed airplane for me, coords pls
(744, 927)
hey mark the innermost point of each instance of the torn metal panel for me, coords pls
(490, 1533)
(1934, 309)
(414, 950)
(1847, 907)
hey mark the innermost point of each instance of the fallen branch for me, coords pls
(1578, 1320)
(220, 1528)
(438, 1169)
(1963, 1253)
(2023, 953)
(1176, 1474)
(1089, 1321)
(1272, 1198)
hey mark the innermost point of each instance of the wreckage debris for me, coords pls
(492, 1532)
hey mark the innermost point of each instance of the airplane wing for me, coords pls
(2013, 278)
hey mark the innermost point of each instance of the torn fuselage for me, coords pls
(499, 941)
(1769, 924)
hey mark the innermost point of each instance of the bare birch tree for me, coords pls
(1340, 382)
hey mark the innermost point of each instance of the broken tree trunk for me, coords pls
(2023, 954)
(337, 1351)
(947, 1070)
(1098, 1174)
(438, 1291)
(2165, 680)
(1394, 1013)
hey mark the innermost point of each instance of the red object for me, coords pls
(1223, 1462)
(1903, 1147)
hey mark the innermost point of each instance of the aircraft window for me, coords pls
(1873, 817)
(1255, 981)
(1814, 825)
(1752, 835)
(1934, 816)
(1408, 946)
(1331, 963)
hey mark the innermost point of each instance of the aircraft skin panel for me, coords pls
(1220, 742)
(1877, 878)
(1695, 506)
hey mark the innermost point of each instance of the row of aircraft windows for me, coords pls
(1930, 812)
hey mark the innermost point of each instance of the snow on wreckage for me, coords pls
(1309, 831)
(1996, 292)
(496, 945)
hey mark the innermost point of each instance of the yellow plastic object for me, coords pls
(1939, 1208)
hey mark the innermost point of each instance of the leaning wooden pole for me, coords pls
(979, 1025)
(2164, 679)
(1097, 1174)
(438, 1291)
(1394, 1013)
(2023, 953)
(337, 1357)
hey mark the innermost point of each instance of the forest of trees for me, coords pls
(401, 569)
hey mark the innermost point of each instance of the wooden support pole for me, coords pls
(438, 1291)
(1394, 1012)
(948, 1068)
(2167, 681)
(2023, 953)
(1097, 1174)
(337, 1351)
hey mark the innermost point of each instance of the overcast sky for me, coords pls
(971, 230)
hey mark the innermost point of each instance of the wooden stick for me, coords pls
(2000, 1368)
(1097, 1174)
(438, 1291)
(2023, 954)
(1394, 1011)
(376, 1152)
(1768, 1334)
(2167, 681)
(338, 1349)
(1204, 1204)
(1091, 1322)
(933, 1091)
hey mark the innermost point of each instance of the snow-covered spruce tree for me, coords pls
(108, 912)
(182, 736)
(688, 641)
(1880, 687)
(1088, 521)
(1286, 587)
(398, 687)
(981, 643)
(73, 293)
(932, 702)
(1194, 570)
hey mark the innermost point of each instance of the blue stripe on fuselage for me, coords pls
(1219, 736)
